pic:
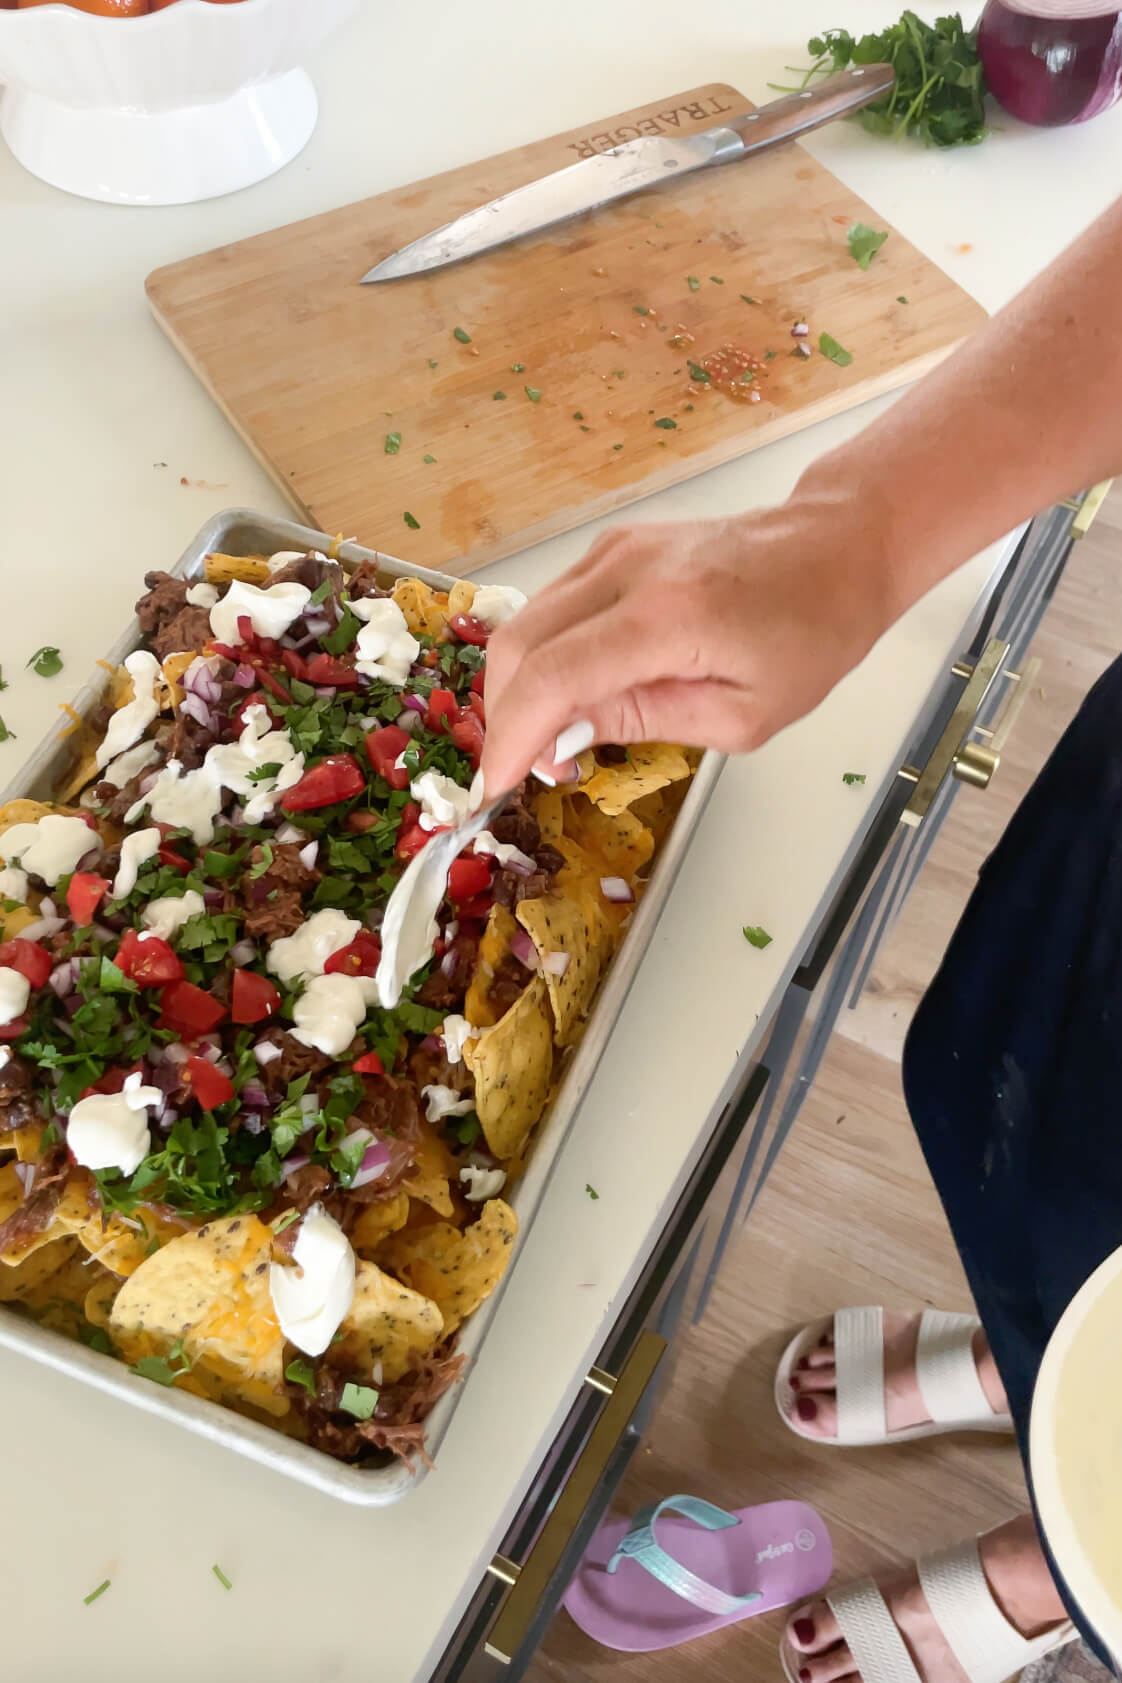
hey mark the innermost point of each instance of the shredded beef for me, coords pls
(190, 741)
(116, 802)
(275, 900)
(294, 1061)
(391, 1110)
(33, 1215)
(510, 888)
(429, 1067)
(190, 629)
(508, 984)
(397, 1424)
(311, 573)
(441, 991)
(517, 825)
(165, 598)
(364, 581)
(307, 1186)
(17, 1105)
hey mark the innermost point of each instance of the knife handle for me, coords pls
(798, 113)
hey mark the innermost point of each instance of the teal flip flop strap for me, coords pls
(640, 1546)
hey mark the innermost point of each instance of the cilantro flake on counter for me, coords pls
(693, 283)
(641, 310)
(853, 777)
(392, 444)
(864, 242)
(433, 362)
(747, 298)
(358, 1400)
(533, 393)
(3, 680)
(429, 460)
(518, 368)
(717, 280)
(755, 936)
(88, 1600)
(462, 335)
(591, 1190)
(829, 347)
(46, 661)
(498, 397)
(6, 735)
(222, 1578)
(900, 299)
(666, 423)
(411, 521)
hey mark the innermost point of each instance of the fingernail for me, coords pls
(804, 1631)
(804, 1674)
(795, 1382)
(475, 793)
(543, 777)
(573, 741)
(802, 1364)
(806, 1408)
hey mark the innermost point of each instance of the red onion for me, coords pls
(325, 692)
(213, 898)
(254, 1095)
(199, 680)
(42, 929)
(800, 330)
(243, 953)
(167, 1077)
(522, 948)
(556, 963)
(1047, 64)
(168, 1118)
(615, 888)
(47, 907)
(520, 863)
(147, 784)
(451, 930)
(308, 855)
(25, 1174)
(416, 702)
(317, 624)
(409, 720)
(244, 676)
(802, 350)
(291, 1164)
(374, 916)
(448, 964)
(196, 708)
(253, 1122)
(87, 862)
(290, 833)
(432, 1043)
(266, 1052)
(375, 1162)
(176, 1053)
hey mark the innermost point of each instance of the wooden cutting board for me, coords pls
(602, 317)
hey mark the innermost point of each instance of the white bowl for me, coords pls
(183, 104)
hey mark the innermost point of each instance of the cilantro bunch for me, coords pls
(939, 96)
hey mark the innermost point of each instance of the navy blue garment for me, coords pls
(1013, 1066)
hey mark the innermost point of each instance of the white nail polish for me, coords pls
(573, 741)
(475, 793)
(543, 777)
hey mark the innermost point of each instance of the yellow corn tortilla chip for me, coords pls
(21, 1280)
(429, 1179)
(71, 1214)
(512, 1064)
(377, 1221)
(120, 1246)
(224, 569)
(171, 691)
(549, 810)
(494, 945)
(57, 1300)
(387, 1322)
(23, 812)
(618, 841)
(24, 1142)
(460, 597)
(209, 1292)
(425, 610)
(649, 766)
(85, 771)
(97, 1306)
(458, 1271)
(574, 925)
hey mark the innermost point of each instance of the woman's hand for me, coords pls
(715, 633)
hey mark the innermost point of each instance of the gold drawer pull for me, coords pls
(1089, 508)
(978, 761)
(929, 779)
(530, 1581)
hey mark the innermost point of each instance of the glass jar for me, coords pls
(1052, 62)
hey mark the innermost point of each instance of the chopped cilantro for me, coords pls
(46, 661)
(285, 1220)
(900, 299)
(533, 393)
(222, 865)
(392, 444)
(301, 1373)
(641, 310)
(222, 1578)
(755, 936)
(358, 1400)
(692, 282)
(665, 422)
(3, 680)
(87, 1600)
(591, 1190)
(702, 375)
(466, 1128)
(462, 335)
(518, 368)
(6, 735)
(262, 774)
(343, 635)
(864, 242)
(748, 299)
(411, 521)
(769, 356)
(113, 980)
(429, 460)
(853, 777)
(716, 279)
(432, 362)
(96, 1338)
(617, 446)
(262, 863)
(577, 416)
(829, 347)
(163, 1370)
(498, 397)
(320, 594)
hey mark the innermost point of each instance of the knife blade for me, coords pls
(630, 168)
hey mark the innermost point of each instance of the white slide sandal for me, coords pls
(984, 1643)
(945, 1368)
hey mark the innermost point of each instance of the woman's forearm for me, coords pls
(1027, 412)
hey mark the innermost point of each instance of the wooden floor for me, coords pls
(849, 1217)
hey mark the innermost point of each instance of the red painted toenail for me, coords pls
(804, 1631)
(795, 1382)
(824, 1341)
(806, 1408)
(804, 1674)
(802, 1364)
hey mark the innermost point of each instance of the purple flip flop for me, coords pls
(705, 1569)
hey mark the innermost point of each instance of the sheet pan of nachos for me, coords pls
(234, 1190)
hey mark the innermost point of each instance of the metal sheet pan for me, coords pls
(243, 532)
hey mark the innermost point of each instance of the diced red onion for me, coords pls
(290, 833)
(87, 862)
(308, 854)
(196, 708)
(409, 720)
(243, 953)
(522, 948)
(416, 702)
(200, 681)
(41, 929)
(212, 898)
(291, 1164)
(374, 916)
(556, 963)
(47, 907)
(451, 930)
(176, 1052)
(253, 1122)
(302, 643)
(212, 1054)
(325, 692)
(266, 1052)
(61, 979)
(375, 1162)
(147, 784)
(244, 676)
(520, 863)
(432, 1043)
(317, 624)
(237, 816)
(25, 1174)
(254, 1095)
(448, 964)
(615, 888)
(169, 1116)
(800, 330)
(167, 1076)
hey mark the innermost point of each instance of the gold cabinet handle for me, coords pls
(1089, 508)
(950, 747)
(530, 1581)
(977, 761)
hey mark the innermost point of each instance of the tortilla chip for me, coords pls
(458, 1271)
(23, 812)
(549, 810)
(171, 691)
(223, 569)
(72, 1212)
(616, 840)
(20, 1281)
(460, 597)
(512, 1064)
(649, 766)
(24, 1142)
(389, 1323)
(573, 925)
(121, 1247)
(425, 610)
(429, 1180)
(57, 1300)
(377, 1221)
(86, 771)
(494, 945)
(99, 1300)
(209, 1291)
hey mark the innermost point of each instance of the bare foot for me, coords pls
(815, 1380)
(1019, 1582)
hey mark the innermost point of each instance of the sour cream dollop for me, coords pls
(15, 991)
(445, 1101)
(270, 611)
(50, 847)
(305, 953)
(130, 722)
(455, 1033)
(110, 1130)
(386, 648)
(167, 916)
(312, 1299)
(494, 604)
(331, 1009)
(441, 800)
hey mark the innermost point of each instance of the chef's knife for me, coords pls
(630, 168)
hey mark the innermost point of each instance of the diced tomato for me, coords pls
(168, 856)
(470, 875)
(17, 1026)
(208, 1084)
(91, 822)
(86, 892)
(246, 631)
(411, 839)
(327, 669)
(222, 649)
(467, 734)
(337, 778)
(273, 685)
(478, 682)
(470, 630)
(267, 647)
(475, 911)
(360, 958)
(369, 1064)
(443, 710)
(253, 997)
(256, 698)
(383, 747)
(149, 962)
(112, 1081)
(294, 664)
(478, 706)
(29, 958)
(189, 1010)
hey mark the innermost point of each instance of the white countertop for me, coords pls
(93, 397)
